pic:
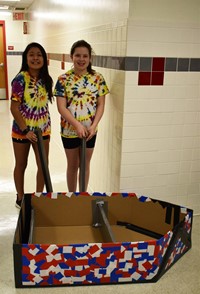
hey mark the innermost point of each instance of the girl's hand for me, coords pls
(31, 136)
(91, 132)
(82, 132)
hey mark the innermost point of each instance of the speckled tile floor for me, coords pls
(182, 278)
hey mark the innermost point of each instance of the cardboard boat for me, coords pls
(64, 239)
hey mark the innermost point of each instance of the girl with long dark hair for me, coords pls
(30, 94)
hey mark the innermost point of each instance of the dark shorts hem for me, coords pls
(72, 143)
(24, 141)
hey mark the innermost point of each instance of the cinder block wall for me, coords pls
(161, 131)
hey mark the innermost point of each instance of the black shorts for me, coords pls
(24, 141)
(71, 143)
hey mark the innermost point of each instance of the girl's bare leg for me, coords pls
(73, 162)
(21, 151)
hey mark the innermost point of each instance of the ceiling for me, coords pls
(18, 5)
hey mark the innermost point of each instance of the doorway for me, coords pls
(3, 63)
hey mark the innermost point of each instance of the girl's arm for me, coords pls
(98, 116)
(18, 85)
(14, 108)
(66, 114)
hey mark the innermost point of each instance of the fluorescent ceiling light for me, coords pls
(55, 16)
(5, 13)
(79, 3)
(4, 7)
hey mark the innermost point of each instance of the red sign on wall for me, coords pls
(10, 47)
(18, 16)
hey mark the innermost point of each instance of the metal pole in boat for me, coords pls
(82, 165)
(43, 160)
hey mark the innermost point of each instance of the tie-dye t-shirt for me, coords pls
(81, 93)
(33, 99)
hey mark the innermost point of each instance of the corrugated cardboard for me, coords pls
(60, 227)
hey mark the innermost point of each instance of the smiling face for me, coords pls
(35, 60)
(81, 59)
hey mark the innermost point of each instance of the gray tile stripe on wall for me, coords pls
(133, 63)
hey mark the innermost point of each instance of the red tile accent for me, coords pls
(157, 78)
(144, 78)
(48, 59)
(62, 65)
(158, 64)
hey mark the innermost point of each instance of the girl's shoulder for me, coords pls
(66, 77)
(20, 77)
(68, 73)
(97, 75)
